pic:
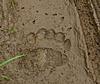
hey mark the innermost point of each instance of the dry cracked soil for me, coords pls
(60, 40)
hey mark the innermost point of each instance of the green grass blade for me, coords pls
(10, 60)
(4, 77)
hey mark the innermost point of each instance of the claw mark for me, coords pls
(67, 44)
(41, 33)
(60, 37)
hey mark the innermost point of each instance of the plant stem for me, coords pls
(10, 60)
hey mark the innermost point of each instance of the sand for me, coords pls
(60, 40)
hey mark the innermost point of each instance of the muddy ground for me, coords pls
(60, 40)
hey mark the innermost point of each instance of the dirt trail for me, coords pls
(56, 38)
(96, 6)
(92, 36)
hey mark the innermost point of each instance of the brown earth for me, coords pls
(60, 39)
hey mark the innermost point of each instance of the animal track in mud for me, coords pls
(48, 52)
(44, 38)
(39, 60)
(51, 39)
(45, 58)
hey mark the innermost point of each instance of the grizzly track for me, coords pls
(60, 39)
